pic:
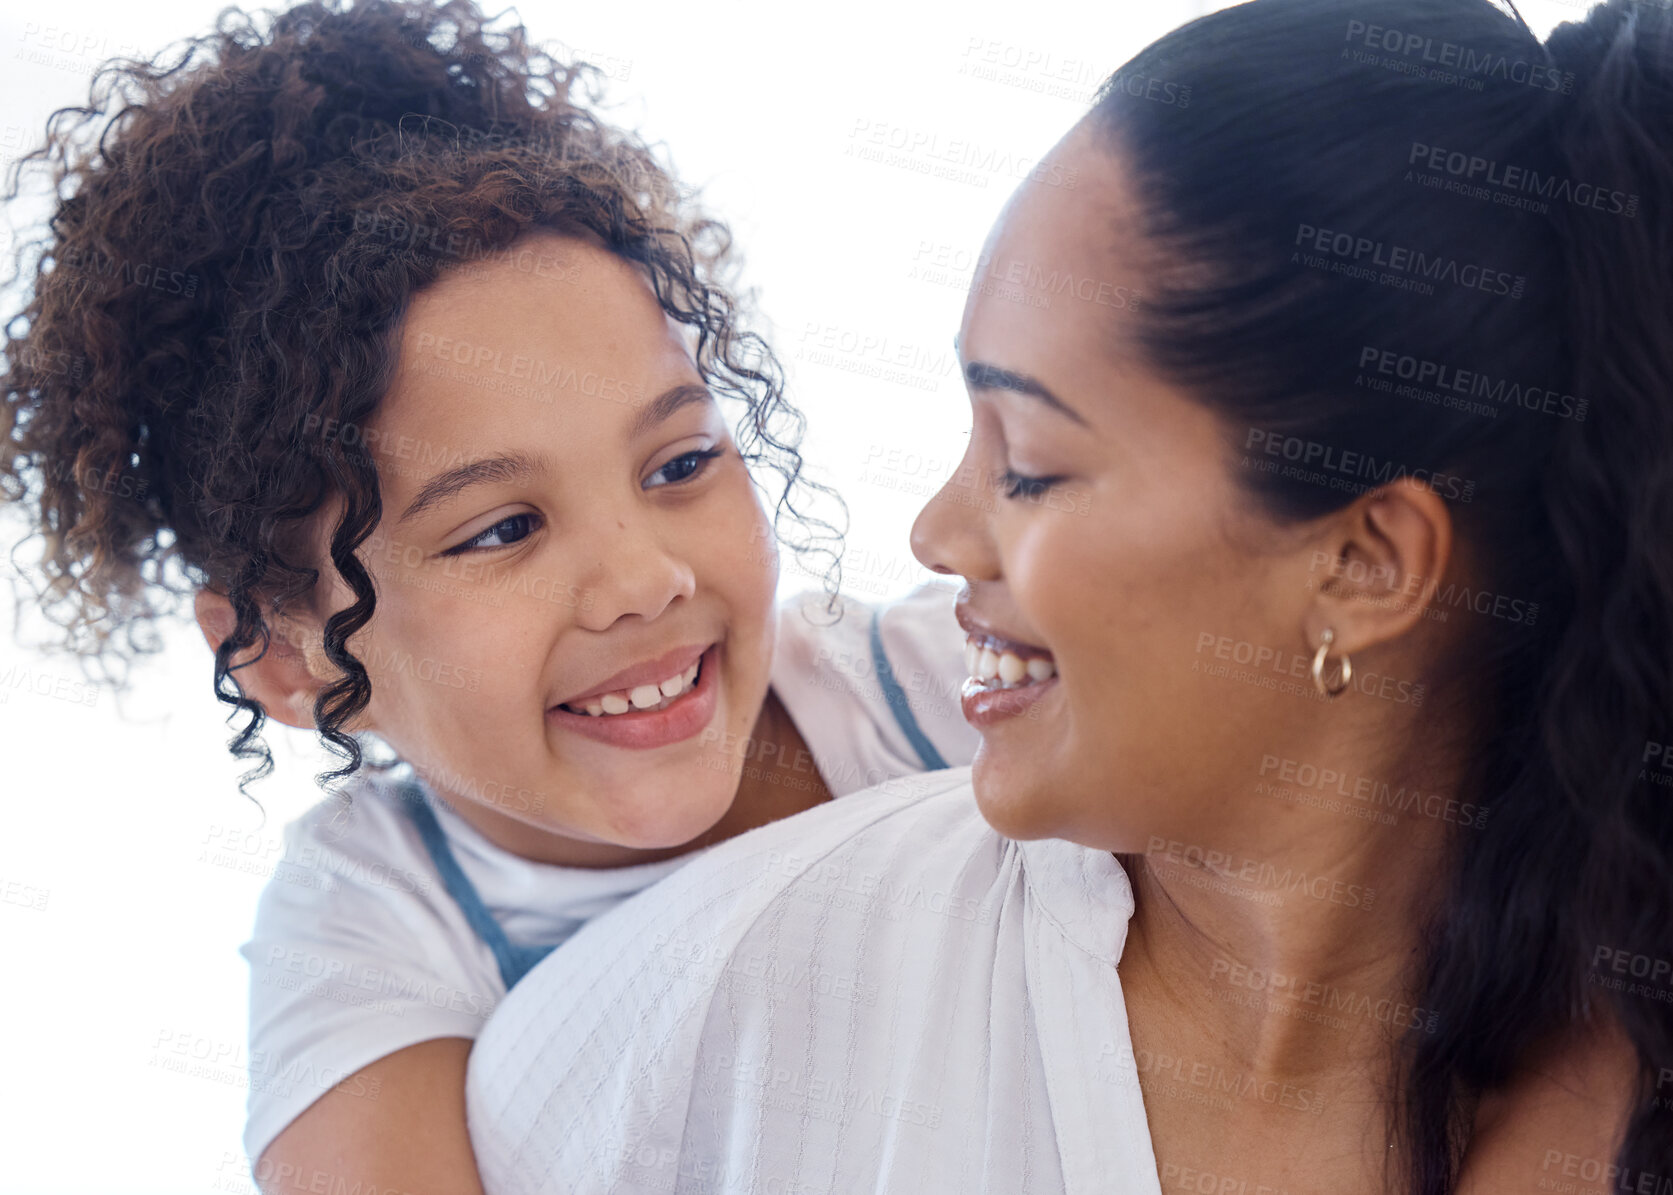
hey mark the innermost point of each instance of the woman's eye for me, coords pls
(1019, 486)
(684, 467)
(501, 535)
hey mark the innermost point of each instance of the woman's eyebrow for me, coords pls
(979, 375)
(443, 486)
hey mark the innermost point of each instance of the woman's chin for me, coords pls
(1010, 797)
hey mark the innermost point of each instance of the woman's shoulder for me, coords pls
(811, 942)
(707, 907)
(907, 865)
(931, 817)
(1561, 1120)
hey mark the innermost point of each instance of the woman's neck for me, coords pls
(1260, 1015)
(1299, 991)
(1296, 943)
(1302, 954)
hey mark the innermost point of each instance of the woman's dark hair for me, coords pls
(235, 236)
(1408, 230)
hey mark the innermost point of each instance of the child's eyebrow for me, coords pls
(516, 465)
(665, 404)
(510, 467)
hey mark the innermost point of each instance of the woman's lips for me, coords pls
(985, 706)
(641, 730)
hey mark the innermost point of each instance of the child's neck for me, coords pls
(766, 793)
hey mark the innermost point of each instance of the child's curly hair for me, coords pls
(226, 271)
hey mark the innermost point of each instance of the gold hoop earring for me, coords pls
(1347, 669)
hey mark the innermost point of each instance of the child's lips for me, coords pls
(642, 729)
(668, 665)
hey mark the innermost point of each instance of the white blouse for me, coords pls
(881, 994)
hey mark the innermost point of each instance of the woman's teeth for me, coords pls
(642, 697)
(1004, 669)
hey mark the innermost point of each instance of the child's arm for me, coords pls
(411, 1139)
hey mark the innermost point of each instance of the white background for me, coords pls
(118, 940)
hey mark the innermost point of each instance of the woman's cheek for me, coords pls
(1043, 564)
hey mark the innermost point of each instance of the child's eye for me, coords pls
(501, 535)
(684, 467)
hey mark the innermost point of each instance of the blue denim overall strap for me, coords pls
(514, 959)
(892, 693)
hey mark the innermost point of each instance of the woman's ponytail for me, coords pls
(1608, 710)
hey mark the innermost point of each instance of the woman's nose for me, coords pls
(950, 534)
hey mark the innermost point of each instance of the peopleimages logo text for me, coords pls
(1365, 252)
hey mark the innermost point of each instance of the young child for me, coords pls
(359, 328)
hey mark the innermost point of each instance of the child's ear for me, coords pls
(280, 680)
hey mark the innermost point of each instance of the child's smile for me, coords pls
(630, 710)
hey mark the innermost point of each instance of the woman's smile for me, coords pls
(1007, 677)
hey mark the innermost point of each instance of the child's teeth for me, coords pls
(987, 666)
(1011, 669)
(641, 697)
(1040, 668)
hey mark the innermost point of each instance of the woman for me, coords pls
(362, 330)
(1332, 857)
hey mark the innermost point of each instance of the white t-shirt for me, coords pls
(880, 994)
(359, 950)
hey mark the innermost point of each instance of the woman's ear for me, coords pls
(280, 679)
(1391, 553)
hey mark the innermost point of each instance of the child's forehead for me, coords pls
(589, 343)
(542, 292)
